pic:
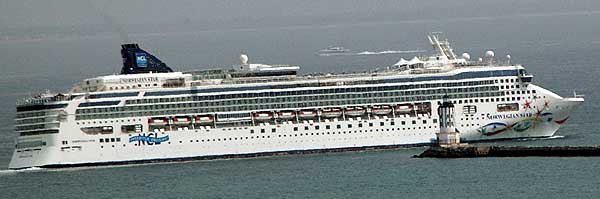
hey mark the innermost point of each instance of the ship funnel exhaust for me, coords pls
(136, 60)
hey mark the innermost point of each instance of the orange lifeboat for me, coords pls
(204, 119)
(263, 116)
(158, 121)
(331, 112)
(307, 114)
(286, 115)
(404, 108)
(355, 111)
(381, 110)
(182, 120)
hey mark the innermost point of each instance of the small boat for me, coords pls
(333, 50)
(263, 116)
(404, 108)
(181, 120)
(158, 121)
(286, 115)
(355, 111)
(204, 119)
(307, 114)
(331, 112)
(381, 110)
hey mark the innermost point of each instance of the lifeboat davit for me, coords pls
(331, 112)
(404, 108)
(307, 114)
(263, 116)
(355, 111)
(424, 107)
(204, 119)
(381, 110)
(286, 115)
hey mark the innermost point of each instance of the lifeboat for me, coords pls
(204, 119)
(182, 120)
(331, 112)
(263, 116)
(307, 114)
(404, 108)
(286, 115)
(355, 111)
(158, 121)
(381, 110)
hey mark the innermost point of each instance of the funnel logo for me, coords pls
(141, 60)
(149, 139)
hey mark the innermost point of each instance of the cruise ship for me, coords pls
(150, 113)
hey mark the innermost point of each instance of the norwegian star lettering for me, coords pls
(139, 80)
(150, 139)
(509, 116)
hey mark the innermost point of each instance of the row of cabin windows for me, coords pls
(132, 86)
(381, 91)
(368, 97)
(296, 135)
(107, 140)
(154, 110)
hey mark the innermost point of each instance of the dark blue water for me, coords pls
(561, 50)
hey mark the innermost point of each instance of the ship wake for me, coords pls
(365, 53)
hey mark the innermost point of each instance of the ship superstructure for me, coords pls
(149, 113)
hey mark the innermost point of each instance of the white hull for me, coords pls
(86, 149)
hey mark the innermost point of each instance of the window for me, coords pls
(262, 131)
(252, 131)
(507, 107)
(349, 125)
(273, 130)
(317, 127)
(370, 124)
(306, 128)
(339, 126)
(469, 109)
(380, 123)
(360, 125)
(295, 128)
(392, 123)
(327, 127)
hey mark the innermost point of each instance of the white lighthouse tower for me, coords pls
(448, 136)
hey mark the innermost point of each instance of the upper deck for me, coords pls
(443, 64)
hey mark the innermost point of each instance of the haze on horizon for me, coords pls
(30, 14)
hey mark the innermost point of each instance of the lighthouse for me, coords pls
(448, 135)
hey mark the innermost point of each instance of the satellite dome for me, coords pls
(466, 56)
(480, 59)
(507, 56)
(244, 59)
(489, 53)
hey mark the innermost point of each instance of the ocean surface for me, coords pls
(560, 49)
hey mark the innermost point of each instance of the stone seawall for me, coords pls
(508, 151)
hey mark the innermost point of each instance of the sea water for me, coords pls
(561, 50)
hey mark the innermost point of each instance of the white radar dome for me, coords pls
(489, 53)
(244, 59)
(507, 56)
(466, 56)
